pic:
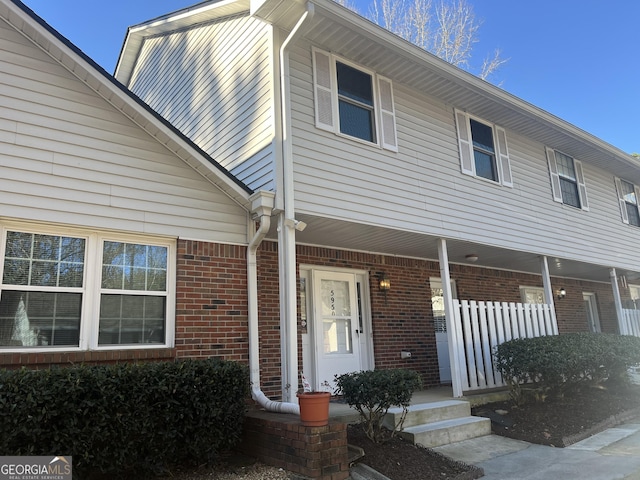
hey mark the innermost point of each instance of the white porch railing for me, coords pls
(480, 326)
(630, 323)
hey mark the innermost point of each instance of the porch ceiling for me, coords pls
(344, 235)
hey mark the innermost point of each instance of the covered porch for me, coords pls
(474, 327)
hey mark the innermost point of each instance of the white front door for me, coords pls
(591, 307)
(336, 327)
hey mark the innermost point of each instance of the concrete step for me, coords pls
(444, 432)
(422, 413)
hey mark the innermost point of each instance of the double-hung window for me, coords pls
(628, 195)
(567, 179)
(483, 149)
(71, 290)
(353, 101)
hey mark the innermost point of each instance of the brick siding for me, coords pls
(282, 441)
(211, 308)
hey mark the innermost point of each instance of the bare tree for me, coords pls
(446, 28)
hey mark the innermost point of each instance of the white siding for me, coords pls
(68, 156)
(214, 83)
(422, 189)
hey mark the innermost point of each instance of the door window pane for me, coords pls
(336, 316)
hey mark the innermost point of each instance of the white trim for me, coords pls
(502, 163)
(593, 305)
(309, 353)
(91, 289)
(582, 186)
(328, 117)
(553, 174)
(621, 201)
(525, 288)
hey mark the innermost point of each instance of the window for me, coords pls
(567, 180)
(534, 295)
(483, 149)
(628, 195)
(352, 101)
(75, 291)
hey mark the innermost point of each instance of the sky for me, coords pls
(576, 59)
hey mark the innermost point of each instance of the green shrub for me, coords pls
(139, 418)
(373, 392)
(555, 365)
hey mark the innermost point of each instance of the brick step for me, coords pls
(448, 431)
(423, 413)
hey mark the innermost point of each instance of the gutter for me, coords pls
(287, 226)
(261, 208)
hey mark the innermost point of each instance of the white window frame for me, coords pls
(327, 116)
(91, 286)
(536, 290)
(634, 293)
(555, 179)
(466, 149)
(623, 201)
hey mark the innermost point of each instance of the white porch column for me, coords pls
(455, 343)
(546, 283)
(617, 300)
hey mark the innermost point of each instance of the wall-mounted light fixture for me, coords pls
(472, 257)
(561, 293)
(385, 285)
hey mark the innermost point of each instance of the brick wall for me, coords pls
(404, 320)
(282, 441)
(211, 313)
(211, 308)
(211, 301)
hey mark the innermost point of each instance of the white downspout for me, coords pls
(286, 229)
(261, 207)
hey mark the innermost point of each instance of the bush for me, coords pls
(373, 392)
(555, 365)
(138, 418)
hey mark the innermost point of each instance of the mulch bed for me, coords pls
(560, 422)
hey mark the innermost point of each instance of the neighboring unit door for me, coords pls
(440, 325)
(591, 308)
(336, 327)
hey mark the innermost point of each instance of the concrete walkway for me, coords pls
(611, 454)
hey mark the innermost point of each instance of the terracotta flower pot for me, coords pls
(314, 408)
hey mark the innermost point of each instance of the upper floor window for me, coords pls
(352, 101)
(628, 195)
(567, 180)
(483, 149)
(355, 102)
(74, 291)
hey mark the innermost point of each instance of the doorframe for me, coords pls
(593, 305)
(363, 304)
(454, 295)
